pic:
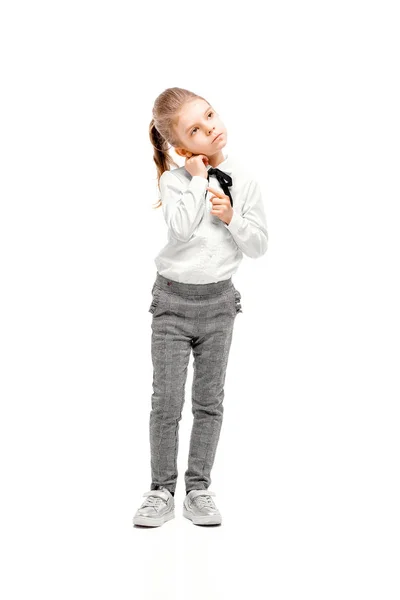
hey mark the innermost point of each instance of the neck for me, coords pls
(216, 159)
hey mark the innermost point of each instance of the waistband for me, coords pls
(193, 289)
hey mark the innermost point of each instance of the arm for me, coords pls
(250, 230)
(183, 208)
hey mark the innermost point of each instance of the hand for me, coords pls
(196, 165)
(221, 206)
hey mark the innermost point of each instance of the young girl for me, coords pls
(214, 212)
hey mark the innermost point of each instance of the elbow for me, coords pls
(181, 228)
(179, 233)
(264, 244)
(259, 250)
(181, 237)
(264, 247)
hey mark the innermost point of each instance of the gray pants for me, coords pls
(187, 317)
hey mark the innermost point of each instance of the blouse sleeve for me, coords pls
(183, 205)
(249, 229)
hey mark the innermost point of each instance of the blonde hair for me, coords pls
(161, 129)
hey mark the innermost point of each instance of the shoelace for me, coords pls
(204, 500)
(154, 501)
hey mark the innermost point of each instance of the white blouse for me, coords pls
(201, 248)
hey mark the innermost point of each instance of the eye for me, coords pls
(210, 113)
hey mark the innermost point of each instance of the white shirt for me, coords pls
(202, 248)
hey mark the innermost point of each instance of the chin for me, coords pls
(219, 147)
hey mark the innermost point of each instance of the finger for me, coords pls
(216, 192)
(217, 201)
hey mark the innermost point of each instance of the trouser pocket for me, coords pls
(156, 298)
(238, 305)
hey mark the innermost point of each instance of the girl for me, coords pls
(194, 302)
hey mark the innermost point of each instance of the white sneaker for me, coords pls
(158, 508)
(200, 508)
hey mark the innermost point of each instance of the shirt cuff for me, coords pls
(235, 224)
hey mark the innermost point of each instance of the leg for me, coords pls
(210, 351)
(170, 350)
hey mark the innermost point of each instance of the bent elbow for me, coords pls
(179, 234)
(181, 237)
(264, 247)
(261, 249)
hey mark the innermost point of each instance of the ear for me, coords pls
(183, 152)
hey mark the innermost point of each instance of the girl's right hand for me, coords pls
(196, 165)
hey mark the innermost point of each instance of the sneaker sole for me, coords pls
(202, 519)
(151, 521)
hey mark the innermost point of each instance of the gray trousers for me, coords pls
(189, 317)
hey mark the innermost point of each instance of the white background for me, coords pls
(307, 469)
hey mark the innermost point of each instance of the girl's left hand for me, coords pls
(221, 206)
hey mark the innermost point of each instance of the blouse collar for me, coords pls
(225, 165)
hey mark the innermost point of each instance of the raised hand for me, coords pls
(221, 205)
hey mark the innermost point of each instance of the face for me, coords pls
(198, 125)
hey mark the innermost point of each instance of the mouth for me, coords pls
(216, 137)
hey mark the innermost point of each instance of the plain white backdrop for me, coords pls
(307, 468)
